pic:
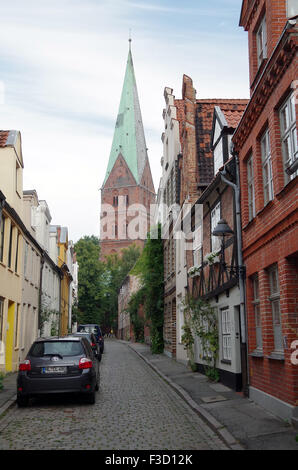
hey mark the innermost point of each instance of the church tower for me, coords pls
(128, 190)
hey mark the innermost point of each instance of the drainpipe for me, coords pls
(241, 267)
(40, 292)
(61, 275)
(2, 202)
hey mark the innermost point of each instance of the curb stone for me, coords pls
(217, 427)
(8, 405)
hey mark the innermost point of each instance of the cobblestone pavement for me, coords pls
(135, 409)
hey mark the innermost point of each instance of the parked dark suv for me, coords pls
(58, 365)
(92, 340)
(93, 328)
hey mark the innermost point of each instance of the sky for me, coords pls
(62, 65)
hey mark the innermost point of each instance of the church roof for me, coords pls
(129, 138)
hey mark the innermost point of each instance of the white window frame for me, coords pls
(292, 8)
(288, 133)
(218, 156)
(261, 37)
(197, 246)
(267, 167)
(215, 217)
(274, 299)
(257, 313)
(226, 334)
(206, 352)
(250, 188)
(181, 321)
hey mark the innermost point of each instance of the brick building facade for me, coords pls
(266, 142)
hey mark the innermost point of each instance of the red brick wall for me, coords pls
(275, 11)
(120, 183)
(272, 235)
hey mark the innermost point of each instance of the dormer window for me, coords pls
(218, 156)
(219, 139)
(262, 41)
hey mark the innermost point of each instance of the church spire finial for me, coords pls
(129, 39)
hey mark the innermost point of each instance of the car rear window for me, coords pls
(64, 348)
(82, 334)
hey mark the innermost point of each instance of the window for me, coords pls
(26, 259)
(215, 217)
(226, 334)
(181, 321)
(64, 348)
(197, 246)
(262, 41)
(2, 229)
(115, 201)
(289, 134)
(267, 167)
(10, 246)
(1, 316)
(257, 314)
(275, 308)
(250, 188)
(292, 8)
(17, 254)
(218, 156)
(207, 353)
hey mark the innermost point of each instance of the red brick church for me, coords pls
(127, 191)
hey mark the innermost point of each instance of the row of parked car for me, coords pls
(68, 364)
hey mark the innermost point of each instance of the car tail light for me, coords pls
(26, 365)
(93, 345)
(85, 363)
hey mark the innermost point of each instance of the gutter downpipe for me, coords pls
(2, 202)
(42, 260)
(241, 267)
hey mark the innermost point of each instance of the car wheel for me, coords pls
(22, 401)
(90, 398)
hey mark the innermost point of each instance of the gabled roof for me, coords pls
(129, 138)
(3, 138)
(12, 138)
(228, 115)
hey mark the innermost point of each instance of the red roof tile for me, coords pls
(3, 138)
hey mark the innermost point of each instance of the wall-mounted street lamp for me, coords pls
(222, 230)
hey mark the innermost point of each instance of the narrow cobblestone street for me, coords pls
(134, 410)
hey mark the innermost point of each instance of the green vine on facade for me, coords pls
(150, 270)
(136, 300)
(201, 321)
(48, 315)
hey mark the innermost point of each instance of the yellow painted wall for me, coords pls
(11, 291)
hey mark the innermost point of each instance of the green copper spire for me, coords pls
(129, 138)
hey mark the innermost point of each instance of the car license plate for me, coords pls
(54, 370)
